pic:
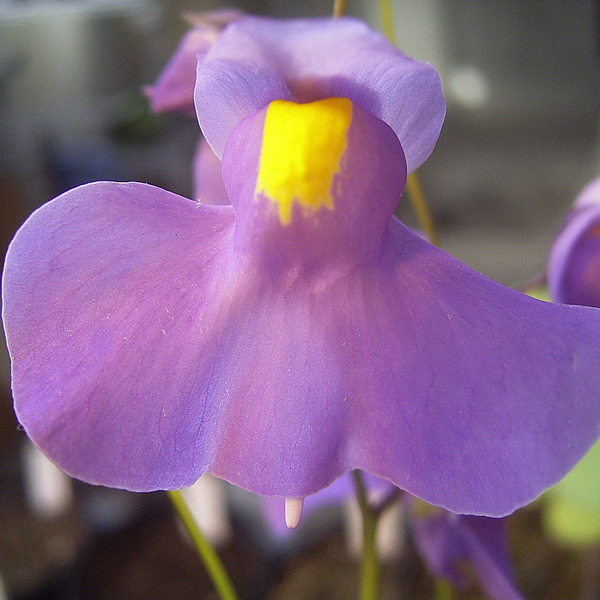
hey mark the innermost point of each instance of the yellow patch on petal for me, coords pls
(302, 147)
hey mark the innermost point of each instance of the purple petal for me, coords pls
(208, 180)
(214, 19)
(574, 263)
(446, 540)
(259, 60)
(174, 88)
(103, 324)
(227, 92)
(494, 395)
(490, 558)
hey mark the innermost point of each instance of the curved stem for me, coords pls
(339, 8)
(419, 204)
(387, 20)
(443, 590)
(207, 553)
(369, 583)
(415, 192)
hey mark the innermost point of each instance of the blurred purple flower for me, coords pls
(174, 89)
(448, 542)
(303, 331)
(574, 263)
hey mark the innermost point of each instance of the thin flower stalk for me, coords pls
(339, 8)
(208, 555)
(370, 570)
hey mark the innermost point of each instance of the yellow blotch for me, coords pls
(302, 147)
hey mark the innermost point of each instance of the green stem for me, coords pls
(207, 553)
(369, 578)
(443, 590)
(419, 204)
(387, 20)
(339, 8)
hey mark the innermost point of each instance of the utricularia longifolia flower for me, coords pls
(303, 331)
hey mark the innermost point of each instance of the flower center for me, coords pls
(302, 146)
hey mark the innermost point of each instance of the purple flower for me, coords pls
(447, 541)
(174, 89)
(574, 264)
(303, 331)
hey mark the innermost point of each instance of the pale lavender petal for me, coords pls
(106, 301)
(208, 180)
(574, 262)
(214, 19)
(311, 59)
(446, 541)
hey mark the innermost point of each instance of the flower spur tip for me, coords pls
(293, 511)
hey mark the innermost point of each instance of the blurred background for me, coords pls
(522, 82)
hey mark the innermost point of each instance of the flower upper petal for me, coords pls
(312, 59)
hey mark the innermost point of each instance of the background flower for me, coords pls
(452, 545)
(574, 264)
